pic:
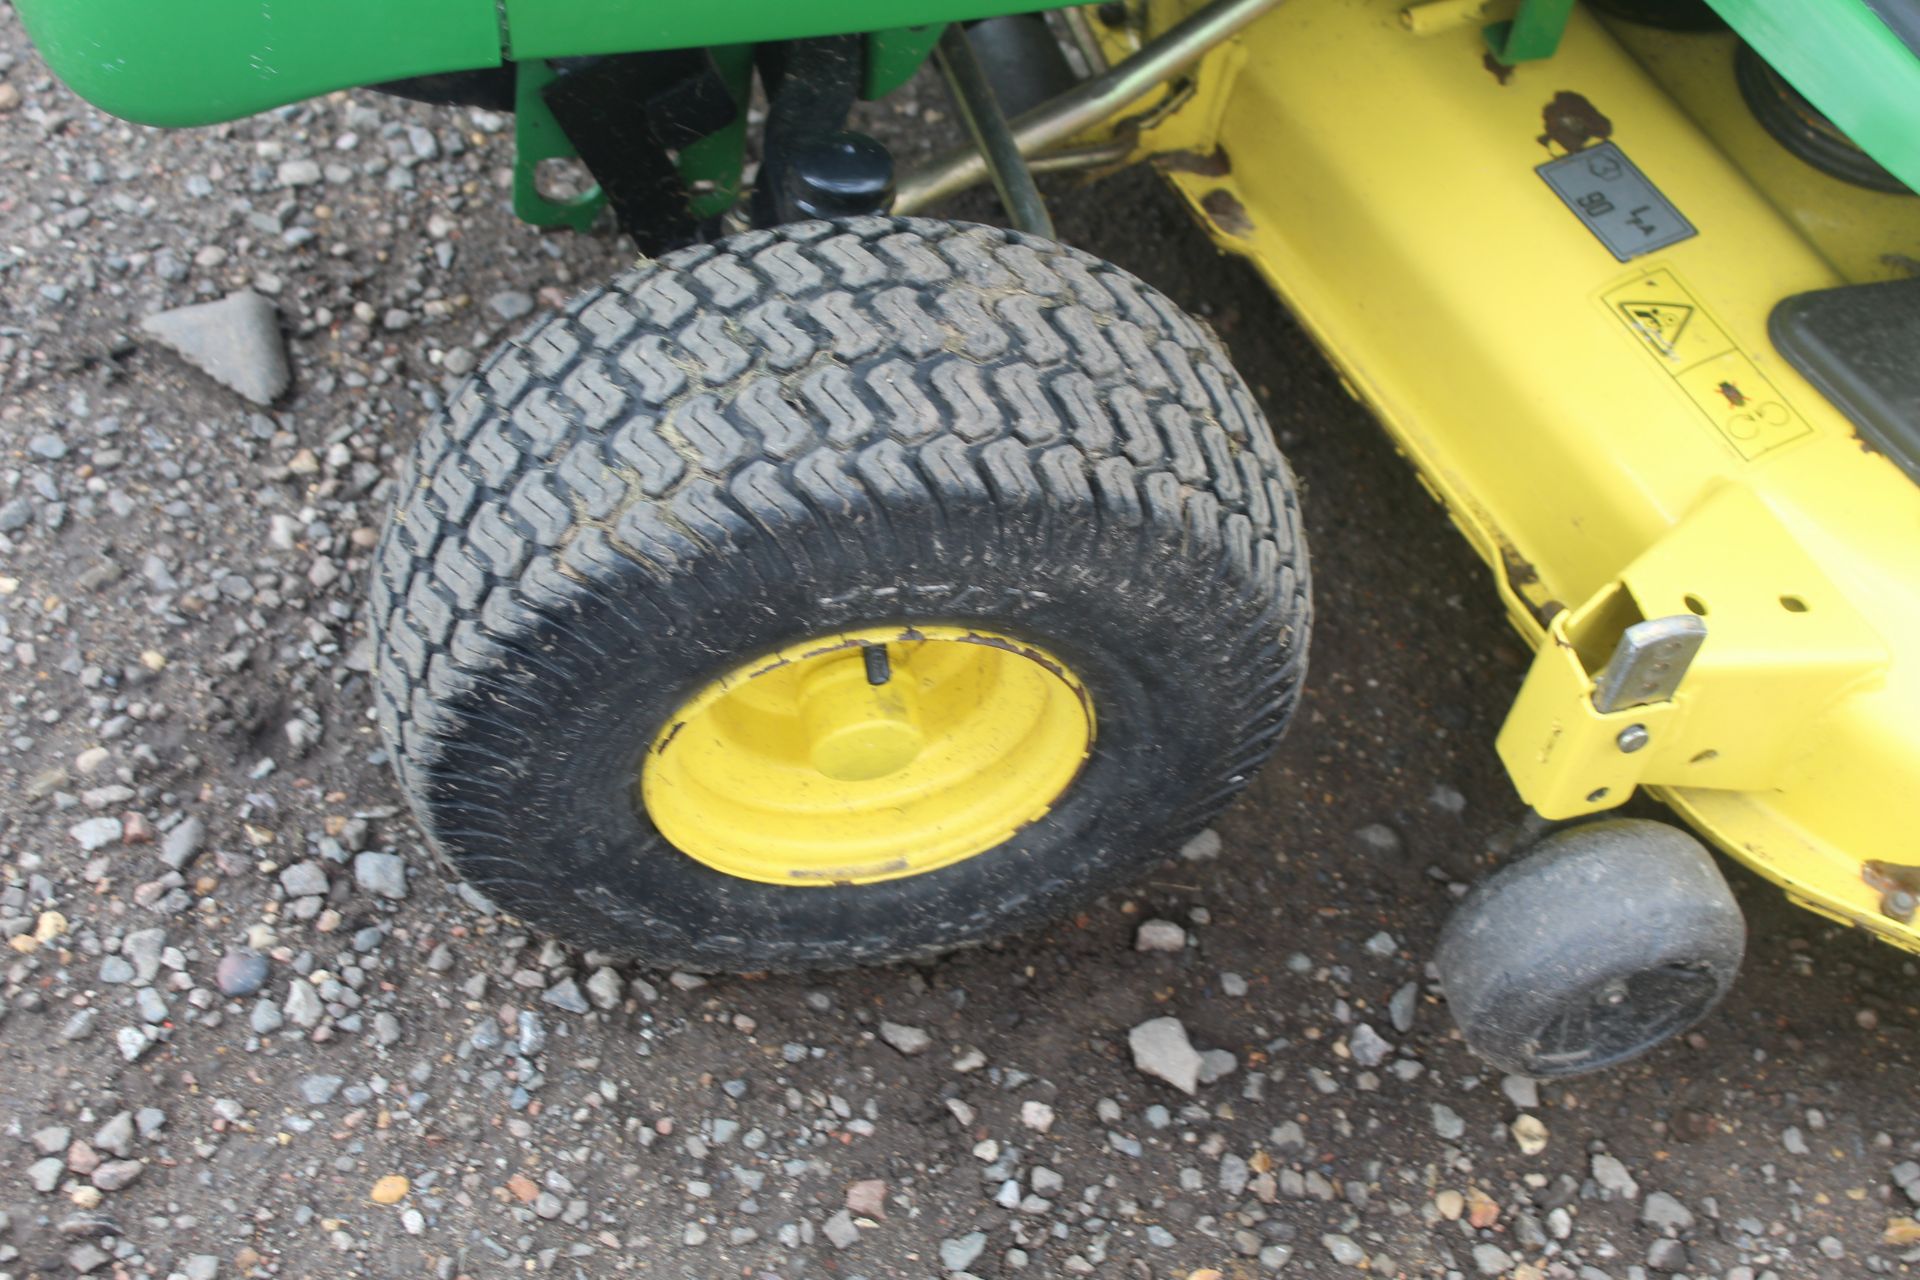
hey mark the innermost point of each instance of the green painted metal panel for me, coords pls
(1848, 63)
(188, 62)
(893, 57)
(1532, 33)
(561, 28)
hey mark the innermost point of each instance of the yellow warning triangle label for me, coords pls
(1660, 323)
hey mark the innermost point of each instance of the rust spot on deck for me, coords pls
(1524, 579)
(1227, 212)
(1207, 164)
(1572, 123)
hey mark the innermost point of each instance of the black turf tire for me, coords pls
(793, 432)
(1622, 906)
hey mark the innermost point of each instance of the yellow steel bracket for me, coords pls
(1179, 123)
(1708, 663)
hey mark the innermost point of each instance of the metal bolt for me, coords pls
(1899, 905)
(1632, 738)
(1614, 993)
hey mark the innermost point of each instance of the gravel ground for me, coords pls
(250, 1028)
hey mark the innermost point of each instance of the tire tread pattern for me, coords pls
(820, 375)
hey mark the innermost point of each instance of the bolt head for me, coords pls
(1632, 738)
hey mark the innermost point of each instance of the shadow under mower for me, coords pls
(801, 596)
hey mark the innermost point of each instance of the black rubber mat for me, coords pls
(1861, 346)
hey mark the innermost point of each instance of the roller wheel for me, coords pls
(1604, 941)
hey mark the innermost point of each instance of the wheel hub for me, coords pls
(867, 755)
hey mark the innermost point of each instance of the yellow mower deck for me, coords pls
(1618, 439)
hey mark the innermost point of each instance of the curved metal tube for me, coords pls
(1088, 102)
(980, 111)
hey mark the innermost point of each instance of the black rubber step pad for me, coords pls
(1860, 344)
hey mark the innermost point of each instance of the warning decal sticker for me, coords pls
(1660, 323)
(1745, 408)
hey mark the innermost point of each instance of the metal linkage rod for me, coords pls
(980, 111)
(1089, 102)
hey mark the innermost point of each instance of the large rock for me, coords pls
(1161, 1050)
(236, 340)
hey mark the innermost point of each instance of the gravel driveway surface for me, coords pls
(250, 1028)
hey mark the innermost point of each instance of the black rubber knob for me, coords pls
(838, 175)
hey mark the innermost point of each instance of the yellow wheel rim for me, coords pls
(867, 755)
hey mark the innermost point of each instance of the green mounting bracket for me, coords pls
(894, 55)
(537, 136)
(1533, 34)
(711, 166)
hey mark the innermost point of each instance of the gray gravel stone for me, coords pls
(529, 1033)
(1402, 1007)
(266, 1018)
(960, 1252)
(1667, 1255)
(241, 972)
(912, 1041)
(510, 304)
(605, 989)
(95, 833)
(1612, 1176)
(1379, 838)
(1369, 1049)
(298, 173)
(1160, 935)
(305, 880)
(236, 341)
(318, 1090)
(302, 1005)
(565, 996)
(1343, 1250)
(143, 947)
(1204, 847)
(1522, 1091)
(1491, 1260)
(115, 1137)
(384, 874)
(840, 1231)
(1665, 1213)
(117, 1175)
(133, 1042)
(85, 1259)
(1161, 1050)
(1217, 1064)
(44, 1175)
(116, 971)
(1447, 1122)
